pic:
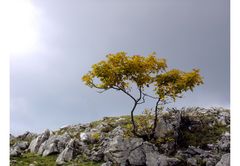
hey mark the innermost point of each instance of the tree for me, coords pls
(124, 73)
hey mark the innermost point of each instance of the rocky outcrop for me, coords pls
(192, 136)
(135, 151)
(121, 151)
(15, 151)
(154, 158)
(55, 144)
(224, 142)
(225, 160)
(36, 143)
(70, 152)
(18, 148)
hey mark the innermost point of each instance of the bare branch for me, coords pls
(150, 96)
(95, 86)
(140, 94)
(124, 91)
(143, 100)
(102, 91)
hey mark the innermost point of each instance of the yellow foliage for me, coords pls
(120, 70)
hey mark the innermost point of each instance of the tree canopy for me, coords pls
(121, 72)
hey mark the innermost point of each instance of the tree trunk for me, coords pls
(152, 135)
(132, 119)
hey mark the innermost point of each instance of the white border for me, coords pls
(235, 92)
(4, 105)
(235, 82)
(4, 86)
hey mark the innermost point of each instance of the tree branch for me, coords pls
(150, 96)
(143, 98)
(140, 94)
(156, 117)
(118, 88)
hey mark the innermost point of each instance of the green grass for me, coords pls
(37, 160)
(30, 158)
(202, 135)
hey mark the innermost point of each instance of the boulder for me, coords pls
(136, 152)
(168, 128)
(36, 143)
(194, 151)
(27, 136)
(12, 137)
(169, 122)
(105, 127)
(118, 131)
(84, 136)
(210, 161)
(153, 158)
(22, 145)
(224, 142)
(18, 148)
(225, 160)
(70, 152)
(109, 163)
(15, 151)
(192, 161)
(91, 137)
(223, 116)
(55, 144)
(119, 150)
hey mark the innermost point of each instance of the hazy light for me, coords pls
(18, 27)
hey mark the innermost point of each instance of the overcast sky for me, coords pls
(71, 35)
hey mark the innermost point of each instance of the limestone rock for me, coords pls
(224, 142)
(153, 158)
(225, 160)
(22, 145)
(192, 161)
(55, 144)
(109, 163)
(70, 152)
(36, 143)
(136, 152)
(15, 151)
(167, 127)
(119, 149)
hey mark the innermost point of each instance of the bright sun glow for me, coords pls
(18, 27)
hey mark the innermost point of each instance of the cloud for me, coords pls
(76, 34)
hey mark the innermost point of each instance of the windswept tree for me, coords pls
(124, 73)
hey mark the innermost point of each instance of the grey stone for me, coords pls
(119, 149)
(55, 144)
(36, 143)
(192, 161)
(136, 152)
(224, 142)
(15, 151)
(118, 131)
(194, 151)
(11, 137)
(168, 126)
(109, 163)
(210, 161)
(69, 153)
(27, 136)
(168, 122)
(225, 160)
(154, 159)
(22, 145)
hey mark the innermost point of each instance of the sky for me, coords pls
(58, 41)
